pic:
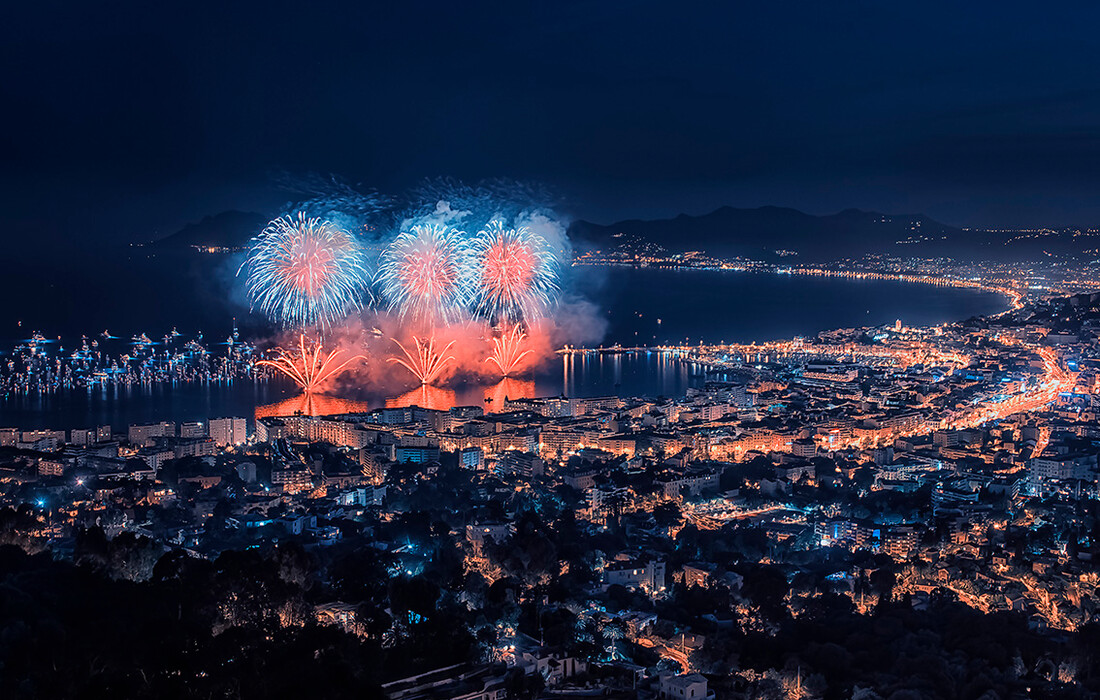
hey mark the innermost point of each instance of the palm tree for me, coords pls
(612, 630)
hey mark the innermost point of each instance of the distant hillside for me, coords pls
(229, 229)
(760, 233)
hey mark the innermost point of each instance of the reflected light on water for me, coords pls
(631, 375)
(311, 405)
(508, 388)
(424, 396)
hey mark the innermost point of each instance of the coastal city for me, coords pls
(632, 544)
(40, 365)
(550, 351)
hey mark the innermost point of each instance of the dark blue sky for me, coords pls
(124, 119)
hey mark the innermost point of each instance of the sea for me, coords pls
(635, 307)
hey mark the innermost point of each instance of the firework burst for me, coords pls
(424, 274)
(309, 365)
(509, 351)
(426, 362)
(305, 271)
(515, 273)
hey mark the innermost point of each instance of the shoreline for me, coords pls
(147, 391)
(1014, 297)
(1014, 300)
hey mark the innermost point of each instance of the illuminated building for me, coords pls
(82, 437)
(141, 434)
(194, 429)
(471, 458)
(228, 431)
(648, 575)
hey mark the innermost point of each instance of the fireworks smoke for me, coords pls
(477, 204)
(330, 197)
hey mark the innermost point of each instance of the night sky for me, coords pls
(122, 121)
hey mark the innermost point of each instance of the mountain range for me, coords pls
(764, 233)
(229, 229)
(768, 233)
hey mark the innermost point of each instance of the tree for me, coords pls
(133, 558)
(416, 595)
(667, 514)
(882, 580)
(766, 587)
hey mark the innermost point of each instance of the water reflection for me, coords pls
(311, 405)
(425, 396)
(641, 374)
(508, 388)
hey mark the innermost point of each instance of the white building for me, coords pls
(649, 576)
(82, 437)
(480, 532)
(139, 435)
(228, 431)
(690, 686)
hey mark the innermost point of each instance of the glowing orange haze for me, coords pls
(311, 405)
(477, 354)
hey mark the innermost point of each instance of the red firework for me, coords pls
(426, 363)
(309, 365)
(515, 273)
(303, 271)
(509, 267)
(509, 351)
(424, 274)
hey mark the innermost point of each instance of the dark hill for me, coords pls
(229, 229)
(759, 233)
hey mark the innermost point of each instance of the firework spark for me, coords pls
(515, 273)
(426, 363)
(424, 274)
(509, 351)
(305, 271)
(309, 365)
